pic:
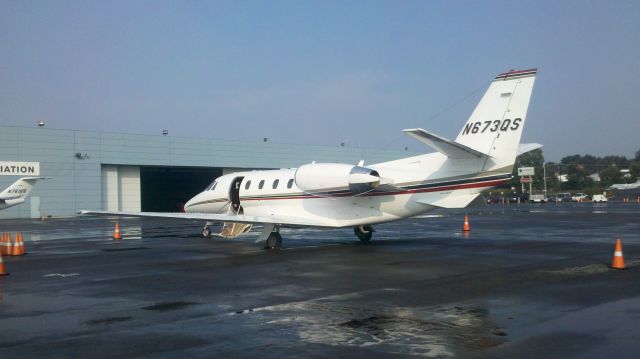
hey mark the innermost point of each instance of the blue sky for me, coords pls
(321, 72)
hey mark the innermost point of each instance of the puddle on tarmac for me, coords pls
(163, 307)
(595, 268)
(107, 320)
(124, 249)
(431, 332)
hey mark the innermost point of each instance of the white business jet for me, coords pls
(18, 192)
(338, 195)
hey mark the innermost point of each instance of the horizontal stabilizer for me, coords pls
(20, 188)
(528, 147)
(447, 147)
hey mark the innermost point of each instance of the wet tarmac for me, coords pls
(528, 281)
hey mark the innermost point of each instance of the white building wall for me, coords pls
(129, 185)
(110, 188)
(35, 206)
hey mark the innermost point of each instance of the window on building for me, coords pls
(275, 184)
(247, 185)
(261, 184)
(290, 183)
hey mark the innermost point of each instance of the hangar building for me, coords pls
(133, 172)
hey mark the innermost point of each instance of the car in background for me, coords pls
(517, 198)
(538, 198)
(560, 197)
(600, 198)
(494, 199)
(580, 197)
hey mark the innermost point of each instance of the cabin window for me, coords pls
(275, 184)
(290, 183)
(261, 184)
(247, 185)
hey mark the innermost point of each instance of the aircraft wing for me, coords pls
(284, 221)
(451, 201)
(447, 147)
(528, 147)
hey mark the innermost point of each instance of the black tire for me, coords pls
(206, 232)
(274, 241)
(363, 236)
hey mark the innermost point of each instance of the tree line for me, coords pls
(579, 171)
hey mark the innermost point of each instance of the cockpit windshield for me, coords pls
(212, 186)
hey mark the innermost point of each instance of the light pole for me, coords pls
(544, 178)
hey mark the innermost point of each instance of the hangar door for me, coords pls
(167, 189)
(120, 188)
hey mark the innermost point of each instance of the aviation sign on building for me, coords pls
(19, 168)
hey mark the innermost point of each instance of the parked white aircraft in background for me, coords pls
(17, 192)
(623, 186)
(358, 196)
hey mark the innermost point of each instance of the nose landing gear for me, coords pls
(364, 233)
(206, 230)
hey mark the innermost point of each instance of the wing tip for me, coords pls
(413, 130)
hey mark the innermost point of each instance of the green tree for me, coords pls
(609, 176)
(634, 170)
(619, 161)
(533, 159)
(553, 170)
(578, 178)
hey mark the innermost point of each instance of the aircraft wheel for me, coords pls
(364, 233)
(206, 232)
(274, 241)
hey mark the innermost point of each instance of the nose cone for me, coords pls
(190, 206)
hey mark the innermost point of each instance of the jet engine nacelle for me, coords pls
(336, 179)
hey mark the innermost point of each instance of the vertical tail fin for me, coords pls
(20, 188)
(495, 126)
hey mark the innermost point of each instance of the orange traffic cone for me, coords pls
(466, 227)
(6, 244)
(2, 270)
(18, 246)
(116, 233)
(618, 258)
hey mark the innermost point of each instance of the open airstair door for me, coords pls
(234, 194)
(234, 229)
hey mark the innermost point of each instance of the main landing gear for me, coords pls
(271, 236)
(364, 233)
(274, 241)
